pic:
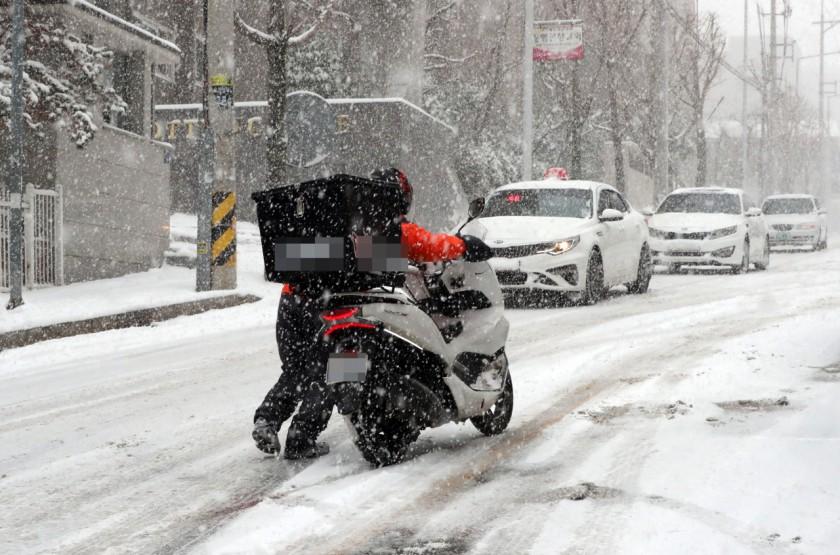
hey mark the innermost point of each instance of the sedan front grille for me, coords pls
(783, 227)
(685, 253)
(696, 236)
(521, 250)
(511, 277)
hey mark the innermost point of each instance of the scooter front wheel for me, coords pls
(496, 419)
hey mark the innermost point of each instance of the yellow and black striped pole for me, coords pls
(223, 234)
(223, 240)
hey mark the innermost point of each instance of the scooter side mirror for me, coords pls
(476, 208)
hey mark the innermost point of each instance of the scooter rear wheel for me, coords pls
(496, 419)
(384, 439)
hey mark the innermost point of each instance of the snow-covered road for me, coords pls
(701, 418)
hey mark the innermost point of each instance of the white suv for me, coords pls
(796, 220)
(709, 226)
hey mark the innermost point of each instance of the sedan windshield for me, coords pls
(556, 203)
(788, 206)
(701, 203)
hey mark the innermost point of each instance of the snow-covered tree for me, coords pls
(617, 30)
(319, 67)
(467, 89)
(62, 77)
(703, 54)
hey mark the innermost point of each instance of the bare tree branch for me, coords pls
(438, 14)
(449, 60)
(309, 33)
(253, 34)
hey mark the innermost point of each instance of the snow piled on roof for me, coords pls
(330, 101)
(713, 190)
(553, 184)
(790, 196)
(83, 4)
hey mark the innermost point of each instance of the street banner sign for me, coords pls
(558, 40)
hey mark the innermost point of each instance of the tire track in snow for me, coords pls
(364, 538)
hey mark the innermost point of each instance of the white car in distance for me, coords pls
(709, 226)
(572, 237)
(796, 220)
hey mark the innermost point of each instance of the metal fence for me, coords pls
(43, 251)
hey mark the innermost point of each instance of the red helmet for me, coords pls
(397, 177)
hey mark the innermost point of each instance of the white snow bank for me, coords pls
(160, 287)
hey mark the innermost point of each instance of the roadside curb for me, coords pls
(131, 319)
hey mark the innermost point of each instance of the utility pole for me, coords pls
(216, 206)
(662, 48)
(528, 94)
(577, 147)
(745, 132)
(823, 143)
(15, 177)
(825, 26)
(810, 57)
(771, 107)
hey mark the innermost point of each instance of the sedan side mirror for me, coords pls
(754, 212)
(611, 215)
(476, 208)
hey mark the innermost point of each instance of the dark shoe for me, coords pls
(265, 437)
(310, 451)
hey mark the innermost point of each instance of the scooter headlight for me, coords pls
(561, 247)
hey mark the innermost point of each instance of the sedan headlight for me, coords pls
(718, 233)
(807, 226)
(561, 247)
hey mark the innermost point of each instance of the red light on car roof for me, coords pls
(556, 173)
(339, 314)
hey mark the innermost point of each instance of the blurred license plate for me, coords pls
(783, 236)
(347, 367)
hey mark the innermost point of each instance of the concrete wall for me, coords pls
(116, 204)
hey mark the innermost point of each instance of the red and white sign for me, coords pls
(558, 40)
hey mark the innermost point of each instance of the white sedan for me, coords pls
(709, 226)
(796, 220)
(576, 237)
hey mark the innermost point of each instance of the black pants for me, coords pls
(302, 378)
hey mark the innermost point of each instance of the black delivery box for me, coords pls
(339, 233)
